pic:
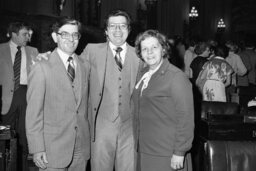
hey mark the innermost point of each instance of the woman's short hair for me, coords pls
(232, 46)
(162, 39)
(221, 50)
(201, 47)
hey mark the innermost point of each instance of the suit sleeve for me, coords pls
(183, 99)
(85, 55)
(34, 113)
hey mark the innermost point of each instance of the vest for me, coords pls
(116, 95)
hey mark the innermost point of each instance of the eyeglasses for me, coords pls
(66, 35)
(120, 25)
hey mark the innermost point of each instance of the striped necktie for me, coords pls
(16, 68)
(118, 58)
(71, 69)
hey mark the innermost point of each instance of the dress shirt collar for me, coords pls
(122, 53)
(64, 57)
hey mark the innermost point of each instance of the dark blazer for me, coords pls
(56, 111)
(6, 72)
(164, 114)
(96, 55)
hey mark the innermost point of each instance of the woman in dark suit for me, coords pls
(164, 112)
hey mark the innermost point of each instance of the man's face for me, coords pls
(67, 38)
(117, 30)
(21, 38)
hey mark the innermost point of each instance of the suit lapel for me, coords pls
(102, 64)
(60, 70)
(80, 75)
(7, 54)
(29, 55)
(134, 63)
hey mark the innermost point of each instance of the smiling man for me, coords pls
(56, 121)
(113, 71)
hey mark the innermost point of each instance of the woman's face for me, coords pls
(151, 52)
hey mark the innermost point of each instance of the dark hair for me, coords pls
(221, 50)
(152, 33)
(15, 27)
(116, 13)
(233, 47)
(63, 21)
(201, 47)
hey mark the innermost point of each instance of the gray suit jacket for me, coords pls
(56, 111)
(6, 73)
(95, 55)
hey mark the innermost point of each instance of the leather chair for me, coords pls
(218, 108)
(230, 156)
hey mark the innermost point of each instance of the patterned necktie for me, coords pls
(16, 68)
(118, 58)
(71, 69)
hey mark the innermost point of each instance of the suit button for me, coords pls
(120, 87)
(100, 94)
(76, 112)
(120, 104)
(75, 127)
(95, 109)
(120, 78)
(12, 91)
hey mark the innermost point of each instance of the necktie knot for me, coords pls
(70, 59)
(118, 49)
(18, 47)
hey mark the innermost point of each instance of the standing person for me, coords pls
(56, 121)
(113, 71)
(215, 76)
(189, 56)
(15, 60)
(237, 65)
(164, 112)
(202, 50)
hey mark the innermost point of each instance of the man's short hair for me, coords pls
(116, 13)
(64, 21)
(15, 27)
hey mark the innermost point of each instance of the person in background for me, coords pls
(15, 61)
(189, 56)
(243, 81)
(202, 50)
(164, 112)
(215, 76)
(237, 65)
(113, 70)
(57, 124)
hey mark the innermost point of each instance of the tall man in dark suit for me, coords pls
(15, 60)
(56, 121)
(113, 71)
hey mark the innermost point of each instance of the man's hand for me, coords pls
(177, 162)
(40, 160)
(41, 56)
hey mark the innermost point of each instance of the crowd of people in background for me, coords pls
(196, 58)
(122, 107)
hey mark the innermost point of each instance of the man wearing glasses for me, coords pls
(113, 71)
(56, 120)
